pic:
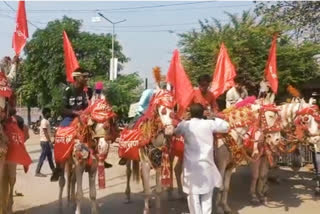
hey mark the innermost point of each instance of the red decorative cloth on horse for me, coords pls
(100, 111)
(133, 139)
(17, 152)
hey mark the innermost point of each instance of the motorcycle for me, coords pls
(35, 126)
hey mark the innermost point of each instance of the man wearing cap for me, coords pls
(75, 99)
(98, 95)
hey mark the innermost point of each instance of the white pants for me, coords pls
(200, 204)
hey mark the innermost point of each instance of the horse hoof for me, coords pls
(263, 200)
(146, 211)
(128, 201)
(317, 191)
(255, 201)
(227, 210)
(219, 210)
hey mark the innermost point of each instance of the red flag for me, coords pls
(270, 72)
(70, 59)
(224, 73)
(21, 33)
(182, 88)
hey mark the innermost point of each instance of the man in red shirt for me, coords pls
(203, 96)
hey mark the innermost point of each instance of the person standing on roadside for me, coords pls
(45, 142)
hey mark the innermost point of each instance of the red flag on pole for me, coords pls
(224, 73)
(21, 34)
(178, 79)
(70, 59)
(270, 72)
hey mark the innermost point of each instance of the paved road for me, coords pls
(294, 195)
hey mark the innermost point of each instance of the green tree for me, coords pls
(122, 92)
(303, 17)
(248, 39)
(43, 70)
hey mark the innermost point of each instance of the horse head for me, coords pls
(96, 127)
(164, 103)
(158, 125)
(270, 125)
(308, 123)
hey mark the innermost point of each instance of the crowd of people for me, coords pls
(200, 174)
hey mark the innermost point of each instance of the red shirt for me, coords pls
(207, 100)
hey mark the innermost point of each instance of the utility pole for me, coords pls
(113, 33)
(146, 83)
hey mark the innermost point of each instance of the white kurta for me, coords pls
(200, 174)
(233, 96)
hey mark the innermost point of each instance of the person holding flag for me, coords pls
(75, 100)
(76, 97)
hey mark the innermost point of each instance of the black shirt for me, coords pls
(75, 99)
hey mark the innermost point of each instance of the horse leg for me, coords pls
(62, 183)
(222, 162)
(263, 177)
(158, 190)
(69, 177)
(145, 168)
(5, 190)
(255, 166)
(73, 185)
(170, 189)
(226, 185)
(12, 180)
(178, 173)
(79, 169)
(128, 173)
(92, 187)
(2, 185)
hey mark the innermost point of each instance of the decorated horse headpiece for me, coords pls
(303, 115)
(276, 126)
(100, 111)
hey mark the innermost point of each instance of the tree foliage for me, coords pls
(43, 71)
(122, 92)
(248, 39)
(303, 17)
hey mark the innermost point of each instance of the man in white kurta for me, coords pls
(235, 95)
(200, 174)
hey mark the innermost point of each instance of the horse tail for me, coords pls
(136, 170)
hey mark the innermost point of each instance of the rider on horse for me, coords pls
(75, 100)
(236, 94)
(203, 96)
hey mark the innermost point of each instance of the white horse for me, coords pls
(90, 149)
(296, 114)
(157, 125)
(229, 154)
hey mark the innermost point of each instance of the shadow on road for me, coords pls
(112, 204)
(284, 196)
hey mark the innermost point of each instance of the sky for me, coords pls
(148, 36)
